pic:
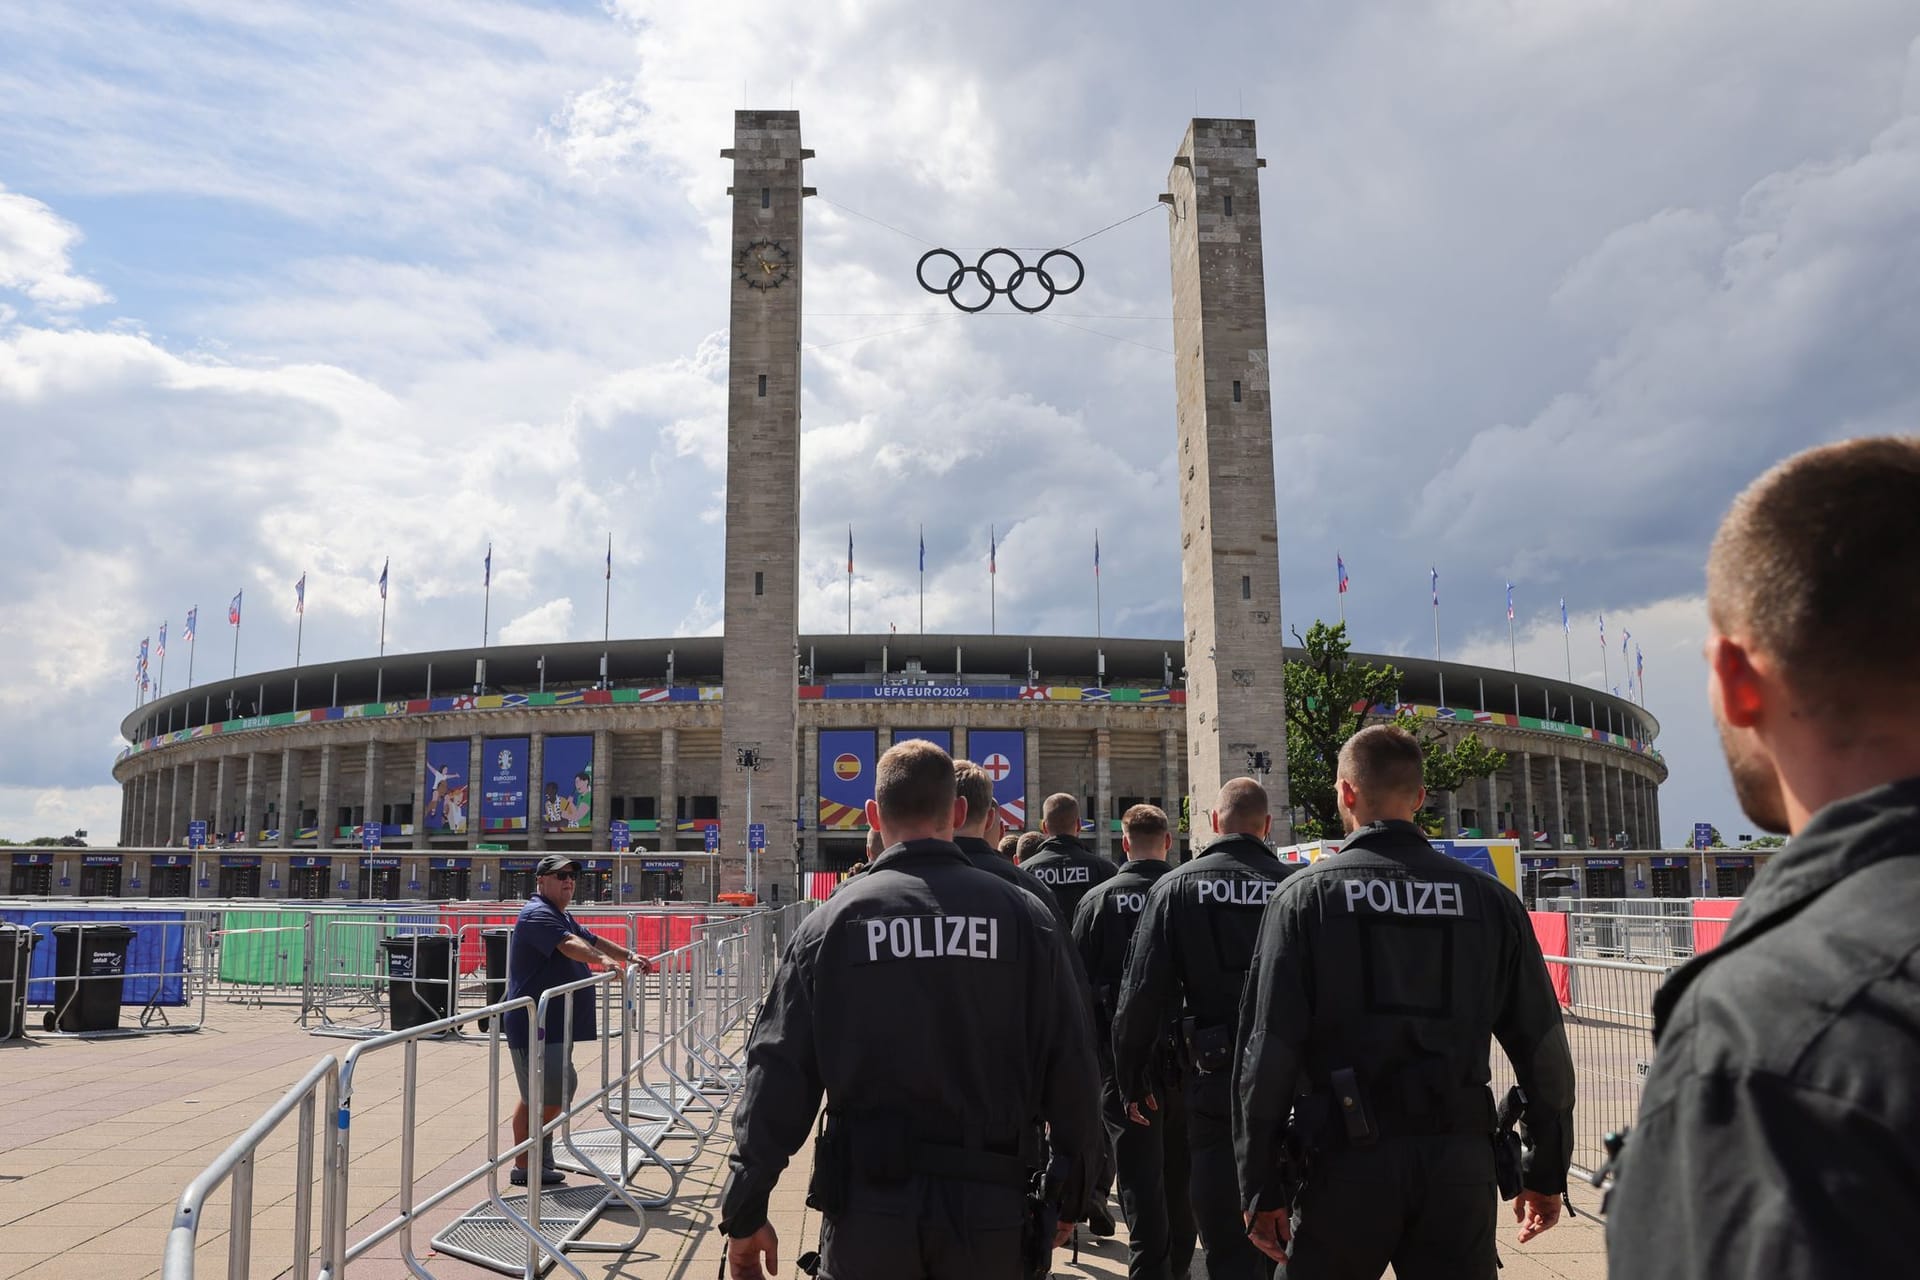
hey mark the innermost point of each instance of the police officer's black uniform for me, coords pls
(986, 858)
(1151, 1160)
(1186, 965)
(938, 1009)
(1779, 1134)
(1382, 974)
(1070, 869)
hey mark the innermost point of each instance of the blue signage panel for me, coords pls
(1539, 864)
(100, 860)
(713, 839)
(922, 692)
(596, 864)
(519, 864)
(757, 835)
(448, 864)
(197, 833)
(846, 778)
(172, 859)
(503, 798)
(369, 835)
(1745, 860)
(1605, 864)
(313, 860)
(1702, 835)
(660, 864)
(239, 859)
(619, 835)
(1475, 856)
(1003, 754)
(380, 862)
(1669, 862)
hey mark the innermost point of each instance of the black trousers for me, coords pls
(925, 1229)
(1428, 1206)
(1154, 1170)
(1215, 1183)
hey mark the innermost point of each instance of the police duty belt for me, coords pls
(1018, 276)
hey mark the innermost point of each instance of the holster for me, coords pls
(1507, 1166)
(1036, 1238)
(832, 1170)
(1209, 1049)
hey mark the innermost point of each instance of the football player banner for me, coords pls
(503, 794)
(1003, 754)
(447, 791)
(846, 778)
(566, 798)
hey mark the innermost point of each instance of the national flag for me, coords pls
(1096, 553)
(849, 551)
(1509, 602)
(993, 551)
(383, 576)
(143, 657)
(1341, 565)
(1639, 659)
(193, 616)
(1603, 631)
(233, 609)
(1434, 574)
(300, 595)
(160, 650)
(487, 567)
(1565, 626)
(609, 557)
(1625, 636)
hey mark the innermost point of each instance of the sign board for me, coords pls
(99, 859)
(312, 860)
(713, 839)
(660, 864)
(1703, 835)
(369, 835)
(619, 835)
(197, 834)
(1605, 864)
(757, 836)
(372, 862)
(1667, 862)
(1743, 861)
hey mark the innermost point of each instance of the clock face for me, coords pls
(765, 264)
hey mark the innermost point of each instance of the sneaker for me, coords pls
(548, 1177)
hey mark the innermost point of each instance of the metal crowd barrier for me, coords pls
(169, 984)
(668, 1087)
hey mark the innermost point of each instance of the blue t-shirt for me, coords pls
(535, 964)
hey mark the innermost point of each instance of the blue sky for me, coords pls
(292, 288)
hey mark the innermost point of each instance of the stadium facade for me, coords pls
(446, 774)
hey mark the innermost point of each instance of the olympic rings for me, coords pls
(1022, 275)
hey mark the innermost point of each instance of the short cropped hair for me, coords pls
(1383, 760)
(1241, 807)
(1814, 564)
(1010, 845)
(1145, 822)
(971, 783)
(914, 783)
(1030, 842)
(1060, 814)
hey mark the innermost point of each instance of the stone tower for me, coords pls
(761, 710)
(1229, 535)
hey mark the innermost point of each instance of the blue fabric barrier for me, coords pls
(158, 947)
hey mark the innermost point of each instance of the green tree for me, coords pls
(1328, 697)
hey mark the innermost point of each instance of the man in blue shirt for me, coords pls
(549, 949)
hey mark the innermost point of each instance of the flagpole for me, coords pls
(1434, 581)
(923, 580)
(849, 579)
(236, 646)
(193, 642)
(1566, 637)
(1096, 584)
(1606, 666)
(161, 687)
(383, 624)
(486, 602)
(993, 582)
(606, 613)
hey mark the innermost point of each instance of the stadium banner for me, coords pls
(941, 738)
(503, 797)
(1498, 858)
(566, 796)
(1003, 754)
(446, 787)
(846, 778)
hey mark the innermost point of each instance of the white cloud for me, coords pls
(552, 621)
(36, 257)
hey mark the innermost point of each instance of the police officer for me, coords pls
(1780, 1129)
(1150, 1154)
(1186, 964)
(938, 1010)
(1063, 862)
(975, 837)
(1381, 976)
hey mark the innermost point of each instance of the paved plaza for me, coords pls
(98, 1139)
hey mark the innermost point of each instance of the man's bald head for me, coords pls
(1241, 809)
(1060, 815)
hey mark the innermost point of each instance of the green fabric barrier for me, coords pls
(263, 959)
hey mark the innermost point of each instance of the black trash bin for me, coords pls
(495, 941)
(16, 960)
(419, 978)
(89, 975)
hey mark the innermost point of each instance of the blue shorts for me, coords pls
(557, 1081)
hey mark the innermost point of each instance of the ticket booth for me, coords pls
(240, 875)
(100, 875)
(1606, 877)
(32, 875)
(310, 876)
(1668, 877)
(1732, 875)
(596, 880)
(449, 879)
(662, 878)
(517, 878)
(379, 878)
(170, 875)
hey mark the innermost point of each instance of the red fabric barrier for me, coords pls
(473, 955)
(1550, 930)
(1710, 916)
(651, 934)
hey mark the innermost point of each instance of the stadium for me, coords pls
(462, 766)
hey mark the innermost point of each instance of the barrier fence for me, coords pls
(669, 1066)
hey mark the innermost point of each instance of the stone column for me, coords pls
(373, 794)
(1584, 835)
(326, 807)
(536, 792)
(1559, 807)
(289, 801)
(250, 809)
(420, 795)
(667, 808)
(1035, 795)
(960, 743)
(219, 824)
(1453, 813)
(810, 795)
(196, 798)
(476, 787)
(1490, 816)
(174, 829)
(882, 741)
(1170, 790)
(603, 787)
(1526, 798)
(1606, 809)
(135, 805)
(1103, 792)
